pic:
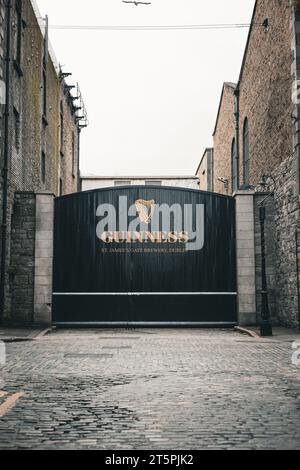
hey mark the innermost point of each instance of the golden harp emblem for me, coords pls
(145, 210)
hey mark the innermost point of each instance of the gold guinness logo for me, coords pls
(145, 209)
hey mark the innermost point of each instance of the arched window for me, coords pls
(246, 153)
(234, 170)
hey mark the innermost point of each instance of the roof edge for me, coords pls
(233, 86)
(160, 177)
(204, 153)
(247, 44)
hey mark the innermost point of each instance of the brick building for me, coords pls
(205, 171)
(40, 151)
(257, 133)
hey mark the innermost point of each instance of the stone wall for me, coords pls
(30, 273)
(2, 92)
(21, 274)
(286, 223)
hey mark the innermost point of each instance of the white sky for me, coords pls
(151, 96)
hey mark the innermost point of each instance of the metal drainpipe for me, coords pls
(5, 159)
(79, 188)
(237, 132)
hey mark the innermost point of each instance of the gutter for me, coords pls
(5, 160)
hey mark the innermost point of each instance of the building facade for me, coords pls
(40, 150)
(205, 171)
(99, 182)
(256, 134)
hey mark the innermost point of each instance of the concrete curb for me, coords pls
(20, 339)
(43, 333)
(16, 340)
(246, 331)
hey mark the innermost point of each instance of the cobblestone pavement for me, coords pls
(151, 389)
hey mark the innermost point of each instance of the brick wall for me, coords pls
(34, 128)
(265, 90)
(69, 147)
(223, 137)
(202, 173)
(205, 171)
(270, 66)
(265, 98)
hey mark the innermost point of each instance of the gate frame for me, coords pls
(245, 258)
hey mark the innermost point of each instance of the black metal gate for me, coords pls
(184, 275)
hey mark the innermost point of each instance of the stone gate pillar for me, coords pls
(43, 258)
(245, 246)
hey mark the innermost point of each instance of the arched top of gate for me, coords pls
(143, 187)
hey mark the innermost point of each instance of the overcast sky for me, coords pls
(151, 96)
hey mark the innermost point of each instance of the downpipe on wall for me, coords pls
(79, 188)
(237, 131)
(5, 168)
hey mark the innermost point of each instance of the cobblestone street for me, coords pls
(151, 389)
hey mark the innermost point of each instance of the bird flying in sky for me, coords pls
(136, 3)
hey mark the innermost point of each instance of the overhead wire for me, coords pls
(153, 27)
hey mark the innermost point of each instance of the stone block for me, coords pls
(247, 318)
(43, 271)
(44, 235)
(44, 223)
(44, 244)
(42, 280)
(243, 253)
(42, 253)
(246, 286)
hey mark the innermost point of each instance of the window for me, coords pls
(61, 126)
(246, 154)
(122, 183)
(60, 186)
(17, 130)
(234, 168)
(43, 167)
(73, 155)
(18, 44)
(153, 183)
